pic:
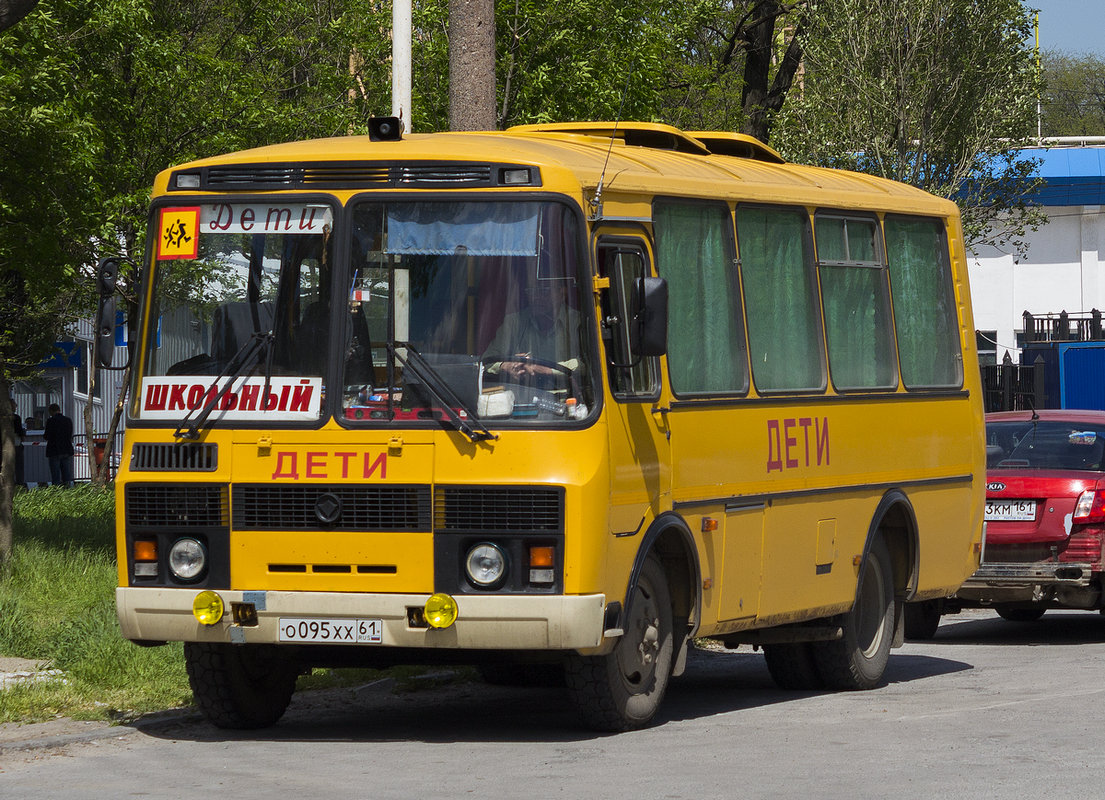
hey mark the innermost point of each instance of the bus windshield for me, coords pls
(449, 310)
(487, 295)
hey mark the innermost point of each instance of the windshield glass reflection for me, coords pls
(488, 294)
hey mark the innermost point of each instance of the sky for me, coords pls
(1072, 26)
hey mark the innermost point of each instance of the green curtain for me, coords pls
(924, 302)
(857, 327)
(856, 304)
(784, 341)
(705, 341)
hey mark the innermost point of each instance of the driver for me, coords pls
(546, 329)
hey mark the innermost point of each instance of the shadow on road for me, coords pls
(1054, 628)
(715, 682)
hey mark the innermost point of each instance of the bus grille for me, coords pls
(148, 457)
(327, 507)
(176, 505)
(499, 509)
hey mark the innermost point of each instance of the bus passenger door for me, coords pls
(638, 442)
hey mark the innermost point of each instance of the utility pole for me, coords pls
(401, 61)
(472, 65)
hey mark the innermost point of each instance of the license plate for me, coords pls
(337, 631)
(1010, 510)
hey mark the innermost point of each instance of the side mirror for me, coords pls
(653, 317)
(105, 331)
(107, 275)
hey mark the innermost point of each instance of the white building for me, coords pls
(1064, 269)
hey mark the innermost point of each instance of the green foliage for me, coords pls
(571, 60)
(933, 93)
(1074, 95)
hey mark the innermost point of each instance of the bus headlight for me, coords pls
(187, 559)
(207, 608)
(485, 565)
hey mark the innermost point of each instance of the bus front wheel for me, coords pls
(857, 660)
(621, 691)
(239, 686)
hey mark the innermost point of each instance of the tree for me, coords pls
(472, 65)
(1073, 98)
(97, 97)
(939, 94)
(556, 61)
(738, 63)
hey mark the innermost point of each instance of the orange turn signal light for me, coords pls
(542, 556)
(145, 550)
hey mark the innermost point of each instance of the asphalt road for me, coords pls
(988, 709)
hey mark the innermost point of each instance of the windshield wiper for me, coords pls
(246, 359)
(441, 392)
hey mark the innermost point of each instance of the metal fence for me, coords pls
(1013, 387)
(36, 469)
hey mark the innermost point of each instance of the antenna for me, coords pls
(596, 201)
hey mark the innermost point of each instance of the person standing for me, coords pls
(58, 434)
(20, 434)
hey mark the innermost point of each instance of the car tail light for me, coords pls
(1084, 545)
(1090, 507)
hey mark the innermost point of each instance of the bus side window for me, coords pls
(631, 375)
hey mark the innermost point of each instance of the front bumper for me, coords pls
(500, 622)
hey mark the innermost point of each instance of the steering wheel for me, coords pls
(567, 372)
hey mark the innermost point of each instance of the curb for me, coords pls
(42, 735)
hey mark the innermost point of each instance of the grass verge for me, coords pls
(57, 605)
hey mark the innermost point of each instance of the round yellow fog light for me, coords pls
(440, 611)
(208, 608)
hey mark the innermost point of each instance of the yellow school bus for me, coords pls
(557, 399)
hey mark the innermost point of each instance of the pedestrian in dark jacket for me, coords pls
(58, 434)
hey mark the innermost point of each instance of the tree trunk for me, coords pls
(472, 65)
(763, 96)
(11, 11)
(7, 471)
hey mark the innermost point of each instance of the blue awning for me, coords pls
(1075, 175)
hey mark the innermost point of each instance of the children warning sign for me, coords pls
(179, 233)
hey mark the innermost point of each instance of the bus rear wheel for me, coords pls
(792, 666)
(622, 691)
(239, 686)
(858, 659)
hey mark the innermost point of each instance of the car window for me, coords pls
(1044, 445)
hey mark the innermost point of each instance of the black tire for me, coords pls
(1020, 614)
(792, 666)
(239, 686)
(922, 619)
(858, 659)
(622, 691)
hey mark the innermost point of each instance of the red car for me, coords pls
(1045, 520)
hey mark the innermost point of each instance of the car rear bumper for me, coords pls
(1056, 583)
